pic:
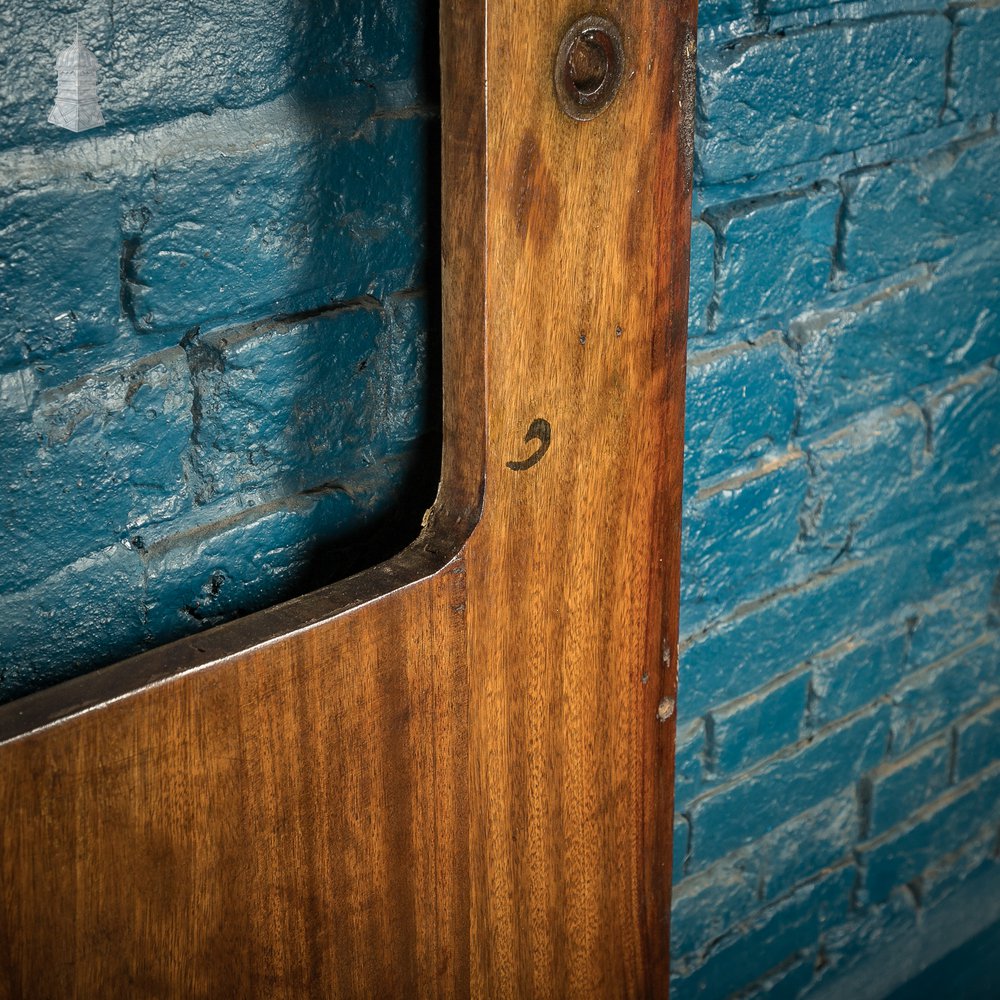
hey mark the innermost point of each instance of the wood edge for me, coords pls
(679, 24)
(422, 560)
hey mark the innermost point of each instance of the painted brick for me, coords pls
(975, 863)
(755, 557)
(688, 761)
(900, 787)
(786, 6)
(288, 228)
(896, 468)
(228, 569)
(57, 295)
(18, 393)
(743, 653)
(930, 480)
(161, 61)
(808, 843)
(854, 673)
(954, 619)
(737, 814)
(733, 889)
(862, 477)
(268, 395)
(770, 637)
(680, 846)
(798, 229)
(951, 546)
(702, 277)
(791, 14)
(768, 101)
(757, 726)
(965, 439)
(919, 210)
(975, 69)
(765, 639)
(940, 828)
(789, 982)
(862, 941)
(100, 460)
(924, 330)
(97, 594)
(409, 407)
(963, 963)
(833, 168)
(248, 561)
(978, 741)
(129, 254)
(715, 12)
(938, 695)
(895, 409)
(773, 938)
(740, 407)
(706, 906)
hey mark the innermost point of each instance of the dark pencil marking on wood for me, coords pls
(540, 431)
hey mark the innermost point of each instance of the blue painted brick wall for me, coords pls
(213, 317)
(837, 747)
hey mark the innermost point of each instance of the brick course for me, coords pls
(840, 659)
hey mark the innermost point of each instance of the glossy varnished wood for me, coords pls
(447, 776)
(569, 569)
(164, 845)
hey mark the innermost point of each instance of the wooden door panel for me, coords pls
(450, 775)
(274, 824)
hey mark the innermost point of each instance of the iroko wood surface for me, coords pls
(447, 776)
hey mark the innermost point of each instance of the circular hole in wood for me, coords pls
(589, 67)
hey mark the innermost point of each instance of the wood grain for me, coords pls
(568, 569)
(165, 844)
(446, 776)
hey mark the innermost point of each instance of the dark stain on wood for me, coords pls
(536, 196)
